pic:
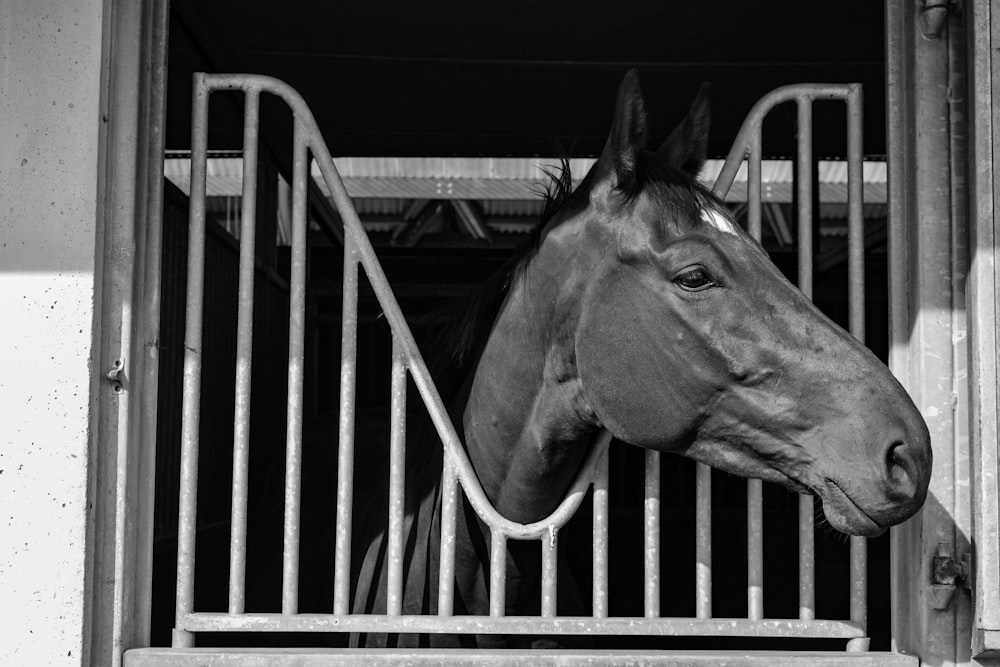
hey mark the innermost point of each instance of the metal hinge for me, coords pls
(947, 573)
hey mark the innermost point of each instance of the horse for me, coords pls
(640, 308)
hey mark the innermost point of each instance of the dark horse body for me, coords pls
(644, 311)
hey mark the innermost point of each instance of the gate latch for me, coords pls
(947, 573)
(114, 376)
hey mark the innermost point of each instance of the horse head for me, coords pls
(686, 338)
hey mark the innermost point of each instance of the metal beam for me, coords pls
(212, 40)
(928, 353)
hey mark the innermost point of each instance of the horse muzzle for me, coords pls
(892, 492)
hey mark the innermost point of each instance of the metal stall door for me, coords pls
(407, 360)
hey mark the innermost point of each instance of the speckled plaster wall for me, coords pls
(50, 52)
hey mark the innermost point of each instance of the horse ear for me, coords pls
(628, 135)
(687, 146)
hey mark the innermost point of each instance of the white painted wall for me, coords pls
(50, 68)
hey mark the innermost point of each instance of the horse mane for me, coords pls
(467, 338)
(472, 328)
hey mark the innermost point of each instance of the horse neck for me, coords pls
(526, 423)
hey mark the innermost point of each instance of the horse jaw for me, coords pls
(750, 432)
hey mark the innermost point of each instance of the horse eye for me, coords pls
(694, 280)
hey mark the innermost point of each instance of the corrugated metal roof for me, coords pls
(515, 179)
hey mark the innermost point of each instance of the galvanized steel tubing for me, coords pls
(804, 183)
(498, 572)
(524, 625)
(755, 491)
(748, 145)
(703, 541)
(345, 457)
(550, 559)
(651, 514)
(446, 568)
(754, 187)
(244, 353)
(856, 299)
(755, 549)
(397, 469)
(296, 354)
(600, 524)
(457, 468)
(190, 410)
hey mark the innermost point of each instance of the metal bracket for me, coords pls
(114, 376)
(947, 573)
(933, 15)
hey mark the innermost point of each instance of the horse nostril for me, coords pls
(898, 464)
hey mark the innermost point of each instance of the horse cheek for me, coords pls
(646, 388)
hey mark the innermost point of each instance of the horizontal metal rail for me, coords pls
(525, 625)
(458, 471)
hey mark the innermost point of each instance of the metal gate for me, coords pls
(406, 359)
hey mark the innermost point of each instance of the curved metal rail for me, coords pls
(406, 358)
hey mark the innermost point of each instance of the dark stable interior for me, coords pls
(487, 79)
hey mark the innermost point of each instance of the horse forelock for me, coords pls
(678, 195)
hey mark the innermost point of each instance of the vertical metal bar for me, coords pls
(804, 185)
(190, 407)
(345, 460)
(856, 298)
(855, 219)
(296, 355)
(807, 559)
(703, 541)
(651, 512)
(804, 182)
(755, 520)
(755, 550)
(446, 573)
(600, 555)
(550, 558)
(754, 185)
(244, 351)
(397, 470)
(152, 251)
(498, 573)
